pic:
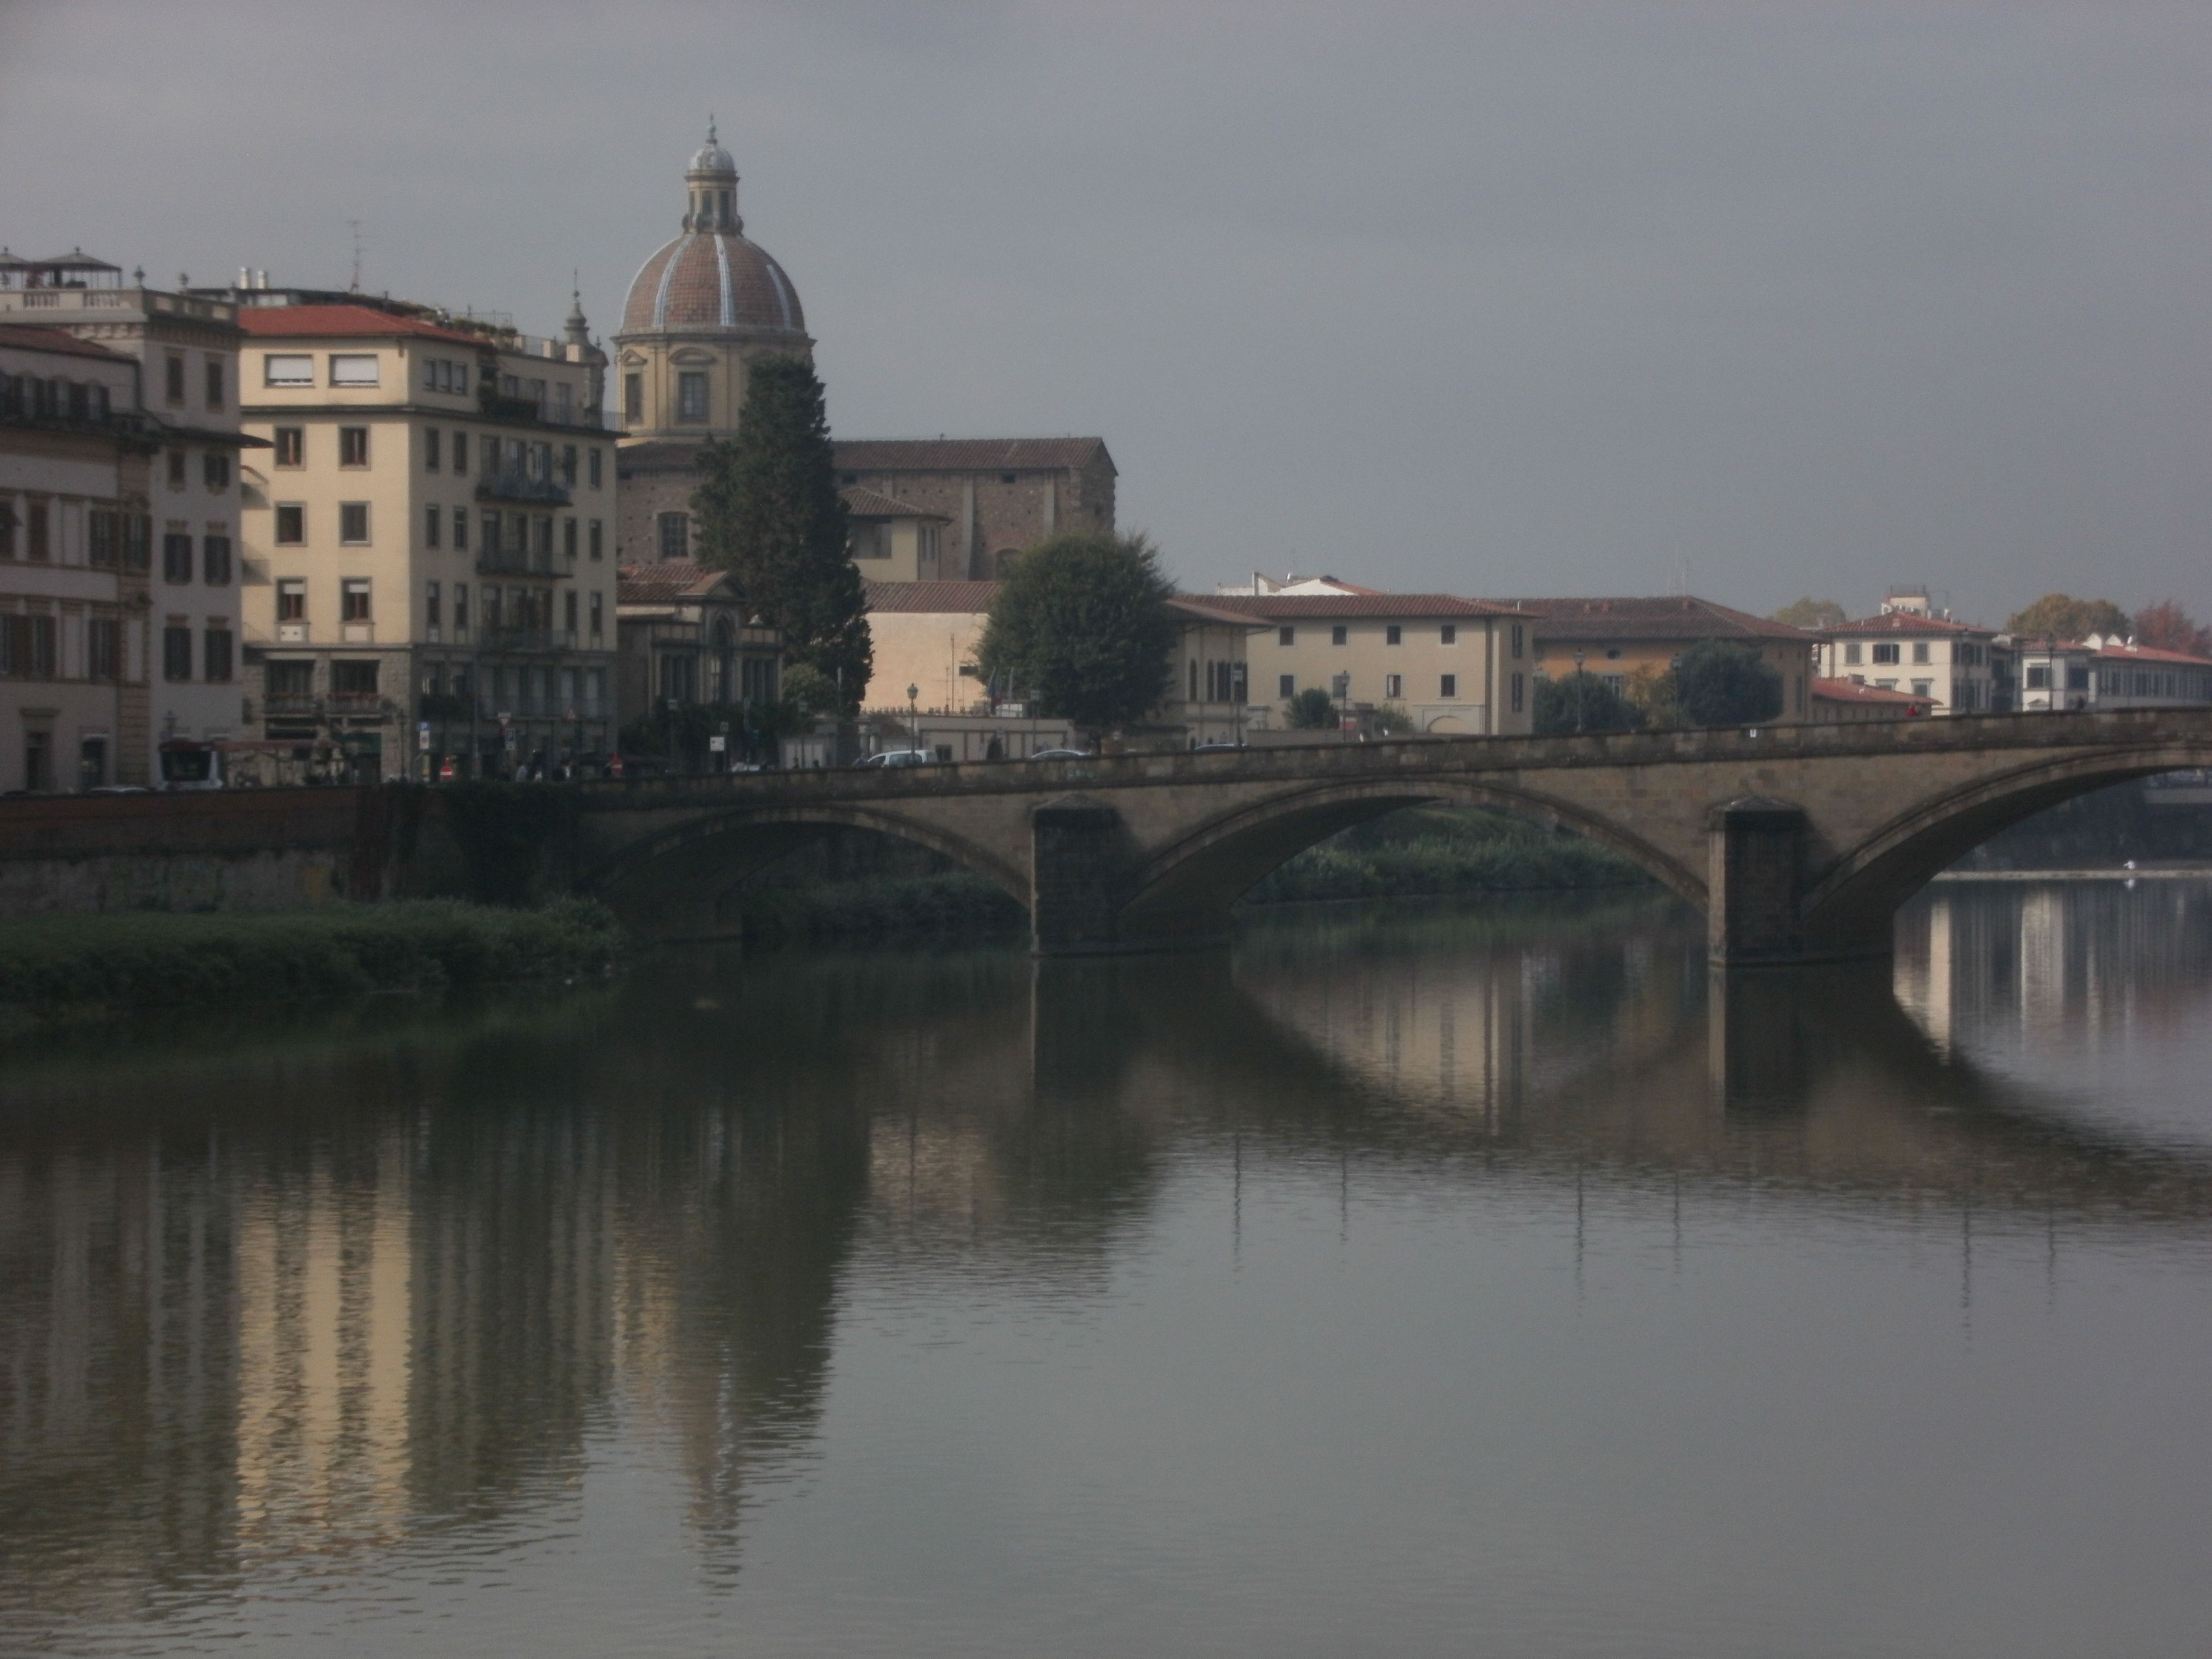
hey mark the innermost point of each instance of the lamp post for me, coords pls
(913, 717)
(1578, 689)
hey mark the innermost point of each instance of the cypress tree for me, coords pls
(767, 509)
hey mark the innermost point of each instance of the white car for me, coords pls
(900, 757)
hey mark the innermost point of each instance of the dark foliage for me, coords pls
(1720, 683)
(1581, 701)
(1081, 626)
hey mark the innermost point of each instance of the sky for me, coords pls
(1756, 301)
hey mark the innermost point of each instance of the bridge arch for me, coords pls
(1190, 886)
(1848, 905)
(665, 883)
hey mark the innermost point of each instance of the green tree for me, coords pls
(1720, 682)
(1312, 710)
(1392, 721)
(811, 689)
(1081, 625)
(1581, 702)
(767, 509)
(2166, 627)
(2063, 617)
(1812, 613)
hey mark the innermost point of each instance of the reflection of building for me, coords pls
(428, 541)
(685, 640)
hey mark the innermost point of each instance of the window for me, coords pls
(460, 454)
(1520, 637)
(353, 599)
(633, 397)
(291, 444)
(1520, 687)
(675, 536)
(544, 542)
(176, 652)
(1393, 686)
(1286, 685)
(490, 606)
(1191, 695)
(592, 469)
(2039, 678)
(214, 469)
(137, 541)
(291, 524)
(214, 559)
(1339, 634)
(597, 628)
(691, 396)
(1922, 688)
(215, 655)
(1392, 634)
(353, 522)
(1286, 636)
(214, 386)
(433, 443)
(563, 400)
(569, 462)
(292, 599)
(490, 468)
(460, 529)
(7, 530)
(175, 386)
(568, 539)
(487, 543)
(1920, 651)
(103, 648)
(2077, 678)
(176, 557)
(595, 691)
(434, 524)
(352, 446)
(569, 612)
(1448, 686)
(105, 530)
(460, 611)
(431, 607)
(287, 369)
(176, 469)
(39, 536)
(353, 368)
(593, 539)
(1852, 654)
(1885, 654)
(291, 679)
(1448, 634)
(354, 679)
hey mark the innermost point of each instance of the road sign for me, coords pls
(717, 744)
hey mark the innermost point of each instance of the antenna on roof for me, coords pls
(354, 287)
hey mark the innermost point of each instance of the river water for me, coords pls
(1430, 1280)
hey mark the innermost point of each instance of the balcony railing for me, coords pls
(504, 564)
(526, 639)
(517, 487)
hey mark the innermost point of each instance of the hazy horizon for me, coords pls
(1507, 300)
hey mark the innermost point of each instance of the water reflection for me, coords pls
(288, 1305)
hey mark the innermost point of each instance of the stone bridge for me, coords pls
(1799, 841)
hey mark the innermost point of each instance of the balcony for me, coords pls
(516, 487)
(526, 639)
(504, 564)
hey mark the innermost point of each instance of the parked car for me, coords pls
(889, 757)
(1060, 754)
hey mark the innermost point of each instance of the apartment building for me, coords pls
(1455, 665)
(1949, 663)
(74, 529)
(430, 581)
(1625, 641)
(186, 399)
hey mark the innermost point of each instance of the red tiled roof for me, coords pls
(26, 337)
(966, 454)
(931, 598)
(1294, 607)
(343, 322)
(1670, 616)
(1899, 622)
(671, 581)
(2151, 653)
(863, 503)
(711, 279)
(1852, 691)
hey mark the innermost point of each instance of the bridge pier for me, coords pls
(1755, 848)
(1081, 860)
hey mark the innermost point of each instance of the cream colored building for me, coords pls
(1907, 649)
(74, 451)
(186, 348)
(1456, 666)
(1628, 640)
(428, 538)
(894, 541)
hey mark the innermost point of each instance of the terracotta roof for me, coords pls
(1203, 608)
(966, 454)
(874, 504)
(2151, 653)
(24, 337)
(711, 279)
(1670, 616)
(1293, 607)
(931, 598)
(347, 322)
(1852, 691)
(672, 581)
(1899, 622)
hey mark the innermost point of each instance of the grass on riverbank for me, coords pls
(60, 970)
(955, 905)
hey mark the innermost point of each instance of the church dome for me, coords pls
(711, 278)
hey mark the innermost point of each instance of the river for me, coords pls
(1428, 1279)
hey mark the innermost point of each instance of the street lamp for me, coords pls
(913, 717)
(1578, 689)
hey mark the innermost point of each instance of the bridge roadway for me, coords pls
(1799, 841)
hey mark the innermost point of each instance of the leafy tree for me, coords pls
(811, 689)
(1391, 720)
(1312, 710)
(1720, 682)
(2166, 627)
(767, 508)
(1081, 624)
(1652, 690)
(1812, 613)
(1581, 702)
(2063, 617)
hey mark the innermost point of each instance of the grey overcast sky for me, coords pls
(1501, 299)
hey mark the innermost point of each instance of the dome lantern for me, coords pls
(711, 184)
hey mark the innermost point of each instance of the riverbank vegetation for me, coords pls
(72, 970)
(1425, 852)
